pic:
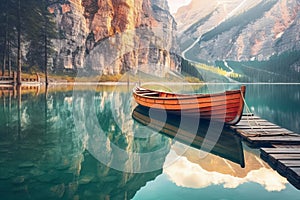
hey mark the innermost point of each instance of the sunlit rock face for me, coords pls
(241, 30)
(115, 35)
(69, 49)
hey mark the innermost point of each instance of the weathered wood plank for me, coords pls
(254, 136)
(284, 156)
(280, 150)
(264, 135)
(251, 118)
(290, 163)
(274, 139)
(257, 127)
(272, 159)
(265, 130)
(286, 146)
(247, 114)
(249, 124)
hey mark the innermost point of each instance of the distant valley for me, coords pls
(256, 37)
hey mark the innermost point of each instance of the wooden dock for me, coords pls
(279, 147)
(258, 132)
(10, 78)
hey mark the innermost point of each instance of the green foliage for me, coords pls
(279, 68)
(190, 69)
(8, 24)
(40, 34)
(35, 25)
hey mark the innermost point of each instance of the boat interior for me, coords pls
(151, 93)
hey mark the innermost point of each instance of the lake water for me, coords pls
(85, 144)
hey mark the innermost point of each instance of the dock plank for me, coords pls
(265, 130)
(280, 150)
(251, 118)
(284, 156)
(274, 140)
(284, 165)
(253, 135)
(262, 123)
(257, 127)
(243, 121)
(273, 158)
(247, 114)
(286, 146)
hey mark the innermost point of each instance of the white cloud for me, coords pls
(187, 174)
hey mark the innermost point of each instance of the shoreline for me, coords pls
(112, 83)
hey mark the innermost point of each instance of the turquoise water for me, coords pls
(86, 145)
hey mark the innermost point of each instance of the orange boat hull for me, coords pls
(227, 106)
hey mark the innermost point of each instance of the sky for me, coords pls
(175, 4)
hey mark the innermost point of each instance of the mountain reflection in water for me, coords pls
(43, 153)
(44, 156)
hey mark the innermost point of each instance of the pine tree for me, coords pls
(19, 29)
(26, 23)
(50, 32)
(42, 31)
(4, 33)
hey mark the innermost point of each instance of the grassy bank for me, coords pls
(128, 77)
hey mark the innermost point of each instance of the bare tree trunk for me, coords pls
(5, 43)
(19, 45)
(4, 60)
(46, 54)
(9, 58)
(4, 55)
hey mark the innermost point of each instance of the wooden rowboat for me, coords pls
(228, 145)
(226, 106)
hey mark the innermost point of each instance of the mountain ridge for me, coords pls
(258, 33)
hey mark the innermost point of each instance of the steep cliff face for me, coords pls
(70, 48)
(265, 29)
(113, 36)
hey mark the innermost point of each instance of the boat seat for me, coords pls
(150, 94)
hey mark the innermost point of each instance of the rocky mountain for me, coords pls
(113, 36)
(239, 30)
(213, 11)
